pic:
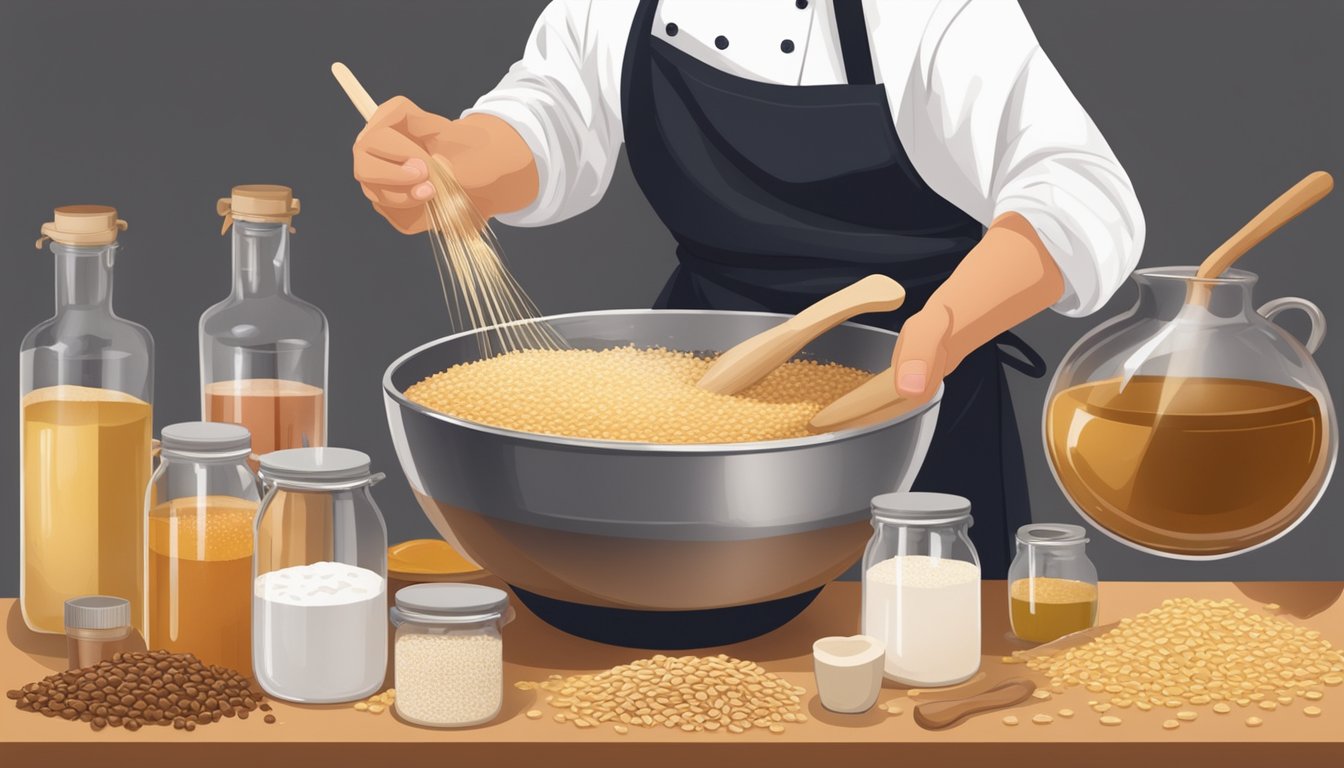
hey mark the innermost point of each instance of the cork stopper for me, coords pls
(258, 202)
(82, 225)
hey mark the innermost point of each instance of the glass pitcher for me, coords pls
(86, 381)
(1193, 426)
(263, 350)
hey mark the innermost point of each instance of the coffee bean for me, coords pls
(269, 719)
(137, 689)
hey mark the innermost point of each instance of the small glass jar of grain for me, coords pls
(449, 653)
(1052, 585)
(96, 627)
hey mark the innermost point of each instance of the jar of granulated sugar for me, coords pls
(449, 653)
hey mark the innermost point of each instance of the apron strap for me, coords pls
(1031, 363)
(854, 44)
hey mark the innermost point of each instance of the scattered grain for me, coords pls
(1110, 720)
(1010, 719)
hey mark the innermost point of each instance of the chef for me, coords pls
(794, 146)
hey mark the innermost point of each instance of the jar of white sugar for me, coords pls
(449, 653)
(319, 599)
(921, 588)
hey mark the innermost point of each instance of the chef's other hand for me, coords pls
(922, 358)
(485, 154)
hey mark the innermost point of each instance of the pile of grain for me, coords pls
(1198, 652)
(625, 393)
(691, 693)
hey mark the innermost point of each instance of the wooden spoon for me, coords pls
(1195, 314)
(937, 715)
(1287, 207)
(750, 361)
(872, 401)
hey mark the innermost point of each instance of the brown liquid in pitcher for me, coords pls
(1195, 466)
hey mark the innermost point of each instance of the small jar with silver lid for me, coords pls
(1052, 584)
(96, 627)
(449, 653)
(319, 597)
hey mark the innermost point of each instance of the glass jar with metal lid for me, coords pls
(319, 600)
(199, 509)
(449, 653)
(921, 588)
(1052, 585)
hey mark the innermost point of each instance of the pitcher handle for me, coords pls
(1271, 308)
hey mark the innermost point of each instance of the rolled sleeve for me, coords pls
(563, 99)
(996, 130)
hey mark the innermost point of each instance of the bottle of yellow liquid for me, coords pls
(201, 504)
(86, 379)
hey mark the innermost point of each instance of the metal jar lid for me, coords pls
(1052, 534)
(918, 508)
(332, 468)
(449, 603)
(97, 612)
(206, 437)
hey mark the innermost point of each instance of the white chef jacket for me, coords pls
(982, 113)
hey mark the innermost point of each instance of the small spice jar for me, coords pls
(449, 653)
(96, 627)
(1052, 585)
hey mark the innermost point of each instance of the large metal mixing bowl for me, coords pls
(670, 546)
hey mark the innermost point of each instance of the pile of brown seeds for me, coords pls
(690, 693)
(148, 688)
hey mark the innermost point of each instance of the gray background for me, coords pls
(158, 107)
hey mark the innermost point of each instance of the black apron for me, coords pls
(780, 195)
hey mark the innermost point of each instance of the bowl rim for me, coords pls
(627, 446)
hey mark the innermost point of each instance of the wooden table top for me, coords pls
(339, 735)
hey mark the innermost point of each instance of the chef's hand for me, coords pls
(1005, 279)
(924, 353)
(485, 154)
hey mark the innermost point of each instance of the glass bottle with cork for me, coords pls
(263, 350)
(200, 508)
(86, 381)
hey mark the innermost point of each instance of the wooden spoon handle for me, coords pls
(354, 90)
(749, 361)
(869, 402)
(874, 293)
(1287, 207)
(937, 715)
